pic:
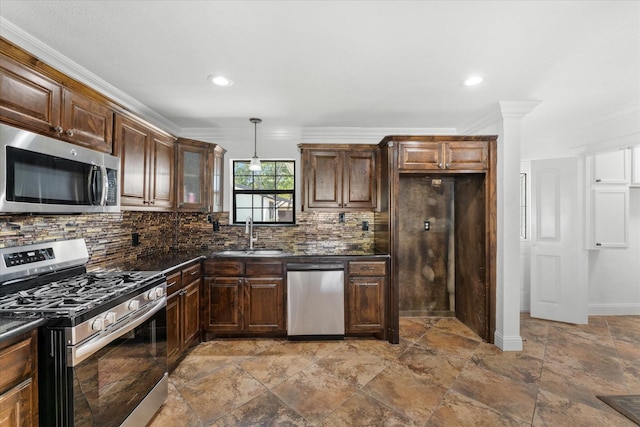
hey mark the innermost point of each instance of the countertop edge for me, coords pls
(22, 329)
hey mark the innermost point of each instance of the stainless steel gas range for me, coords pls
(102, 354)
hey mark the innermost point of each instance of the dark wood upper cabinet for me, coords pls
(340, 177)
(38, 98)
(27, 98)
(200, 167)
(147, 166)
(87, 122)
(443, 155)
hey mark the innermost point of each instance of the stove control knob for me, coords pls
(134, 305)
(151, 295)
(159, 292)
(97, 324)
(110, 318)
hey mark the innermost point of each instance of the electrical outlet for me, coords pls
(365, 225)
(427, 225)
(135, 239)
(341, 217)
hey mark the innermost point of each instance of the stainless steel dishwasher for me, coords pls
(315, 300)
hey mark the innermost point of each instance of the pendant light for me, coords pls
(255, 161)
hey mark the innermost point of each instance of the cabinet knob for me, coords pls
(152, 202)
(440, 165)
(58, 129)
(70, 132)
(447, 165)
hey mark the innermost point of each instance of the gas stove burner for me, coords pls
(71, 296)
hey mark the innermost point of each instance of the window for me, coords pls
(523, 205)
(268, 196)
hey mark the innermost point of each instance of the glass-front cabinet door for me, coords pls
(200, 176)
(192, 162)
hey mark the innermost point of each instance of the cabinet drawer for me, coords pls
(191, 273)
(367, 268)
(224, 268)
(264, 269)
(174, 282)
(16, 363)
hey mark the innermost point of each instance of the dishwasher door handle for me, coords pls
(315, 267)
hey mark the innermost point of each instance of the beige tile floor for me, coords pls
(440, 374)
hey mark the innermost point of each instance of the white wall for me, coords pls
(614, 273)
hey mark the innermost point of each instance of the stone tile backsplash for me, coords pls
(109, 236)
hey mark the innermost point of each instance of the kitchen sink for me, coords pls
(253, 252)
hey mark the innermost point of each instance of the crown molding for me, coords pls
(631, 113)
(616, 143)
(311, 134)
(364, 135)
(517, 109)
(502, 110)
(63, 64)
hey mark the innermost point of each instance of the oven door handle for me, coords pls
(79, 353)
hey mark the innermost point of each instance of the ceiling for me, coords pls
(396, 65)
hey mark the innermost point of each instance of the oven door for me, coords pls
(120, 379)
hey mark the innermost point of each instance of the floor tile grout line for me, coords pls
(544, 360)
(615, 346)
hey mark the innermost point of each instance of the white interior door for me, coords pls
(559, 286)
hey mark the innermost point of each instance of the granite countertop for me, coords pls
(11, 327)
(165, 262)
(176, 259)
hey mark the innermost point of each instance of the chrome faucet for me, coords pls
(248, 228)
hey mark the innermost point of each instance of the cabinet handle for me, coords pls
(171, 284)
(194, 272)
(598, 180)
(598, 244)
(70, 132)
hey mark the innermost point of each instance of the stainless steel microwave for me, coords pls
(39, 174)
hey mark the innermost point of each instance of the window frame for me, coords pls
(261, 192)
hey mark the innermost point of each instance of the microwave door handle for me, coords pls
(91, 184)
(105, 186)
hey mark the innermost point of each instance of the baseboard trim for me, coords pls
(614, 309)
(511, 343)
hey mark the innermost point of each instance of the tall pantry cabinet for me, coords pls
(468, 163)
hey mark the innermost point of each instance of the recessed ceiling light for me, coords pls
(220, 80)
(472, 81)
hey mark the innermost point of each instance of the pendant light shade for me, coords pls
(255, 161)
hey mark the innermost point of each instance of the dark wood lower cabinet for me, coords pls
(247, 296)
(19, 381)
(365, 297)
(248, 302)
(183, 311)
